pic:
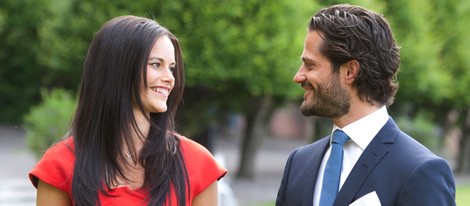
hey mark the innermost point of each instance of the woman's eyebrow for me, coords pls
(156, 58)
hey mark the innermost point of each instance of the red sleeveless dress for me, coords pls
(56, 169)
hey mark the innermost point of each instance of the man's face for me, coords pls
(324, 93)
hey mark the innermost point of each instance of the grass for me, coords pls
(462, 197)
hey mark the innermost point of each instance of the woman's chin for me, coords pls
(159, 109)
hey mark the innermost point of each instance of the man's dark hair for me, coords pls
(355, 33)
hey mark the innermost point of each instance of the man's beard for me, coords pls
(327, 100)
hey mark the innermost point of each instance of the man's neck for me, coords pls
(357, 111)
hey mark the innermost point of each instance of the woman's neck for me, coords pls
(138, 134)
(143, 125)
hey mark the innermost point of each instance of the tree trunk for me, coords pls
(253, 136)
(452, 132)
(464, 151)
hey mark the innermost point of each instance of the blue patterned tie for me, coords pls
(332, 172)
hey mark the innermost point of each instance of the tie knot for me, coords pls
(339, 137)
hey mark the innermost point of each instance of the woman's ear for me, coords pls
(352, 69)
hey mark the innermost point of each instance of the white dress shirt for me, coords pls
(361, 133)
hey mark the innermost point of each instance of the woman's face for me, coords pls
(160, 79)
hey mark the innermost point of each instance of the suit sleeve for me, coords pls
(281, 194)
(430, 183)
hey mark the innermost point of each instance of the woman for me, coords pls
(123, 149)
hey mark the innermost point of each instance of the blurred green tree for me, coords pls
(435, 71)
(240, 57)
(19, 71)
(49, 121)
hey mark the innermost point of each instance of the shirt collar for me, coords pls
(364, 130)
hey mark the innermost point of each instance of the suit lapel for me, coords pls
(372, 155)
(312, 167)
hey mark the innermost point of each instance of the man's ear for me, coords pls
(352, 69)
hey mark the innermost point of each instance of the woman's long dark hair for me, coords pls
(112, 79)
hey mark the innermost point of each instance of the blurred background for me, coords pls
(240, 101)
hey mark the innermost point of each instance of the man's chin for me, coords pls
(306, 109)
(310, 110)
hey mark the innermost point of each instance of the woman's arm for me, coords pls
(51, 196)
(208, 197)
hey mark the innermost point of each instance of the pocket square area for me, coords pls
(370, 199)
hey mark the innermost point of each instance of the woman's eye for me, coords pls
(156, 65)
(172, 70)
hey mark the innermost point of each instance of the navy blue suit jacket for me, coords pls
(399, 169)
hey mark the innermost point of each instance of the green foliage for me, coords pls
(234, 49)
(434, 49)
(240, 49)
(455, 52)
(19, 71)
(236, 52)
(49, 121)
(423, 77)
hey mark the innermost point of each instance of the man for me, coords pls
(348, 71)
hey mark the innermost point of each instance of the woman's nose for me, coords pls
(168, 75)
